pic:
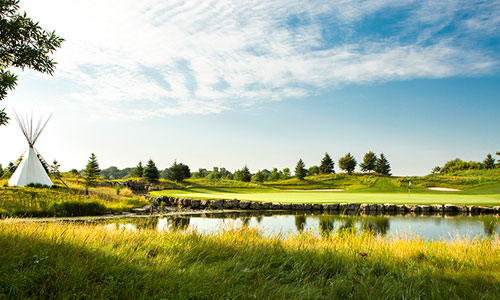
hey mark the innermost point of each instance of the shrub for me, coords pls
(36, 185)
(179, 172)
(243, 175)
(77, 208)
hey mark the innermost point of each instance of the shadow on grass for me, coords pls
(189, 266)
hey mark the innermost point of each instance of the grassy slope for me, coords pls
(480, 188)
(15, 201)
(71, 261)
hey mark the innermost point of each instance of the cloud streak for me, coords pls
(153, 58)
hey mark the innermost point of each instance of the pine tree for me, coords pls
(139, 170)
(383, 166)
(300, 170)
(369, 162)
(348, 163)
(151, 173)
(326, 166)
(92, 171)
(489, 162)
(54, 169)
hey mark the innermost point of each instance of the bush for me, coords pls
(243, 174)
(77, 208)
(36, 185)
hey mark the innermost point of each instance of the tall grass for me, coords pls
(74, 261)
(60, 201)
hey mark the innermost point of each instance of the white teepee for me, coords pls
(30, 170)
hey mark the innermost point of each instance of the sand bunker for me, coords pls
(318, 190)
(442, 189)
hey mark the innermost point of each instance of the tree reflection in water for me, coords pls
(326, 225)
(300, 222)
(178, 222)
(377, 225)
(245, 221)
(347, 225)
(489, 224)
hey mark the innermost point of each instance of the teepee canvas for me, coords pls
(30, 170)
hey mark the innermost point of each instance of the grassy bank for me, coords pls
(62, 201)
(68, 261)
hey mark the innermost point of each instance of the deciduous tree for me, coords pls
(312, 171)
(179, 172)
(243, 174)
(348, 163)
(23, 44)
(369, 162)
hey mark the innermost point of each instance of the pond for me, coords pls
(425, 226)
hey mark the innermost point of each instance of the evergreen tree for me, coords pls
(348, 163)
(54, 169)
(326, 166)
(369, 162)
(383, 166)
(151, 173)
(138, 171)
(300, 170)
(243, 174)
(179, 172)
(91, 171)
(489, 162)
(1, 171)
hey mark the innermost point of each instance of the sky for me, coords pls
(263, 83)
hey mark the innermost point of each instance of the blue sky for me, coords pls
(217, 83)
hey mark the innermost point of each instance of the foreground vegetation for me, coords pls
(65, 201)
(68, 261)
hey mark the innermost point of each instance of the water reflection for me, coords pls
(300, 223)
(428, 227)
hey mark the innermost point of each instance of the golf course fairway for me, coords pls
(273, 195)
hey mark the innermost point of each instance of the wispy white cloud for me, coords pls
(150, 58)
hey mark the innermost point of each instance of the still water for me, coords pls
(427, 227)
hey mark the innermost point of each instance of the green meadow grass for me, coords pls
(76, 261)
(62, 202)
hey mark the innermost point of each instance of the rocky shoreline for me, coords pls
(164, 203)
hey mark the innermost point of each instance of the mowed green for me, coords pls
(275, 195)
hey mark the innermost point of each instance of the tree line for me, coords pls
(457, 165)
(179, 171)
